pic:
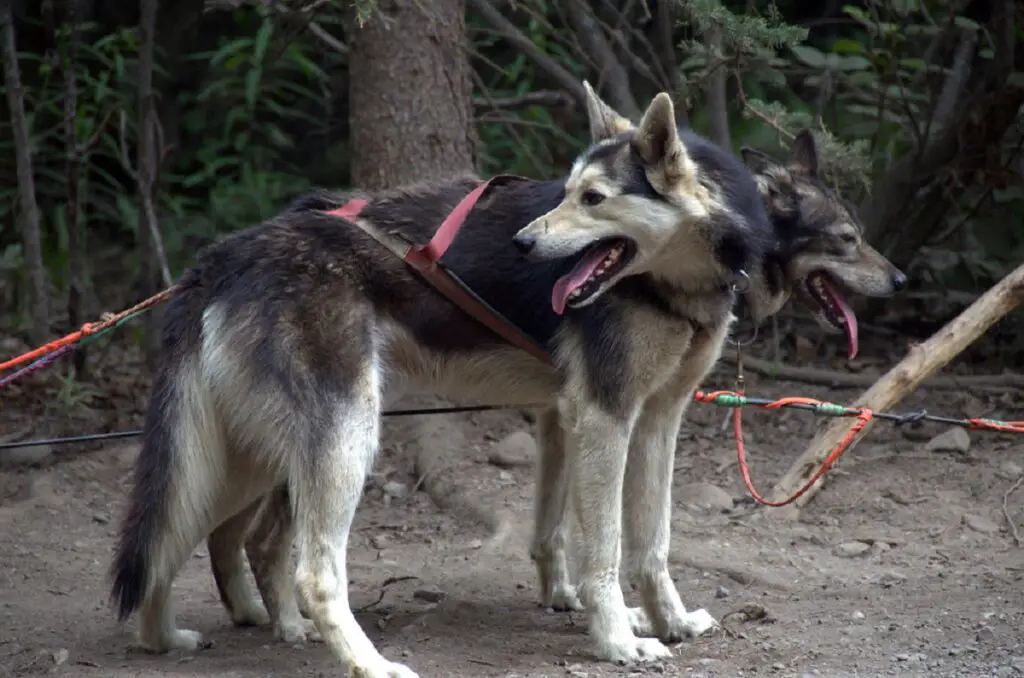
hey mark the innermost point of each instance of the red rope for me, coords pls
(86, 330)
(863, 418)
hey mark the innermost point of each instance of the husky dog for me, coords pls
(818, 255)
(820, 248)
(285, 342)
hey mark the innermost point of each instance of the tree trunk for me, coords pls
(410, 94)
(28, 208)
(410, 113)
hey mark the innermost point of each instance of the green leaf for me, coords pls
(844, 46)
(809, 55)
(252, 86)
(854, 63)
(259, 51)
(964, 22)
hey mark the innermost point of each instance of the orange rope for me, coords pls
(863, 418)
(978, 424)
(86, 330)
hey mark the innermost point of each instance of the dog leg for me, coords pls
(269, 548)
(647, 512)
(228, 564)
(548, 549)
(327, 482)
(598, 445)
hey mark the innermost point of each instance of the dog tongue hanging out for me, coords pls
(600, 262)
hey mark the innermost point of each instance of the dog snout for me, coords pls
(524, 242)
(899, 281)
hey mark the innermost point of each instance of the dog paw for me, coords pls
(630, 649)
(252, 614)
(382, 669)
(562, 598)
(297, 631)
(640, 622)
(179, 639)
(687, 625)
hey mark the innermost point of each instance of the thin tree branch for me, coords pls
(539, 98)
(613, 74)
(517, 39)
(28, 208)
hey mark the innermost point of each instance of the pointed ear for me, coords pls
(604, 121)
(757, 161)
(803, 155)
(657, 142)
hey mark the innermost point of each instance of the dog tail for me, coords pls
(140, 529)
(157, 518)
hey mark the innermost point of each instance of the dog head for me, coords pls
(822, 252)
(628, 201)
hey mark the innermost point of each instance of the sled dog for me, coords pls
(284, 343)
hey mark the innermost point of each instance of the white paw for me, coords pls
(382, 669)
(698, 622)
(563, 598)
(630, 649)
(250, 614)
(179, 639)
(640, 622)
(297, 631)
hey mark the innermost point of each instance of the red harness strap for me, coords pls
(425, 260)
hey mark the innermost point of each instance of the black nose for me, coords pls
(899, 281)
(524, 242)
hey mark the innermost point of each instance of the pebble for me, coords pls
(395, 489)
(1010, 470)
(722, 592)
(852, 549)
(430, 594)
(954, 439)
(857, 615)
(705, 496)
(25, 456)
(515, 449)
(380, 541)
(985, 634)
(981, 524)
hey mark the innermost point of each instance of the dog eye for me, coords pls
(591, 198)
(849, 238)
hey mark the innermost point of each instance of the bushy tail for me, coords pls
(141, 527)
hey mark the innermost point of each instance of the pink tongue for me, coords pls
(575, 279)
(851, 319)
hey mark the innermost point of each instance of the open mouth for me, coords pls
(833, 310)
(600, 263)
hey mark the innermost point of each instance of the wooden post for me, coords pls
(921, 362)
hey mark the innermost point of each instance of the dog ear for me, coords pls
(657, 141)
(604, 121)
(757, 161)
(803, 155)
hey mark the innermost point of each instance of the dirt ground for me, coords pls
(906, 564)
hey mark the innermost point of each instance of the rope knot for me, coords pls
(87, 329)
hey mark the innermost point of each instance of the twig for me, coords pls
(595, 44)
(540, 98)
(383, 588)
(517, 39)
(741, 93)
(1006, 512)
